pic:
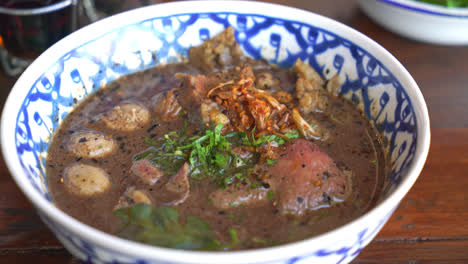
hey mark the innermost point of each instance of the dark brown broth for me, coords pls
(354, 143)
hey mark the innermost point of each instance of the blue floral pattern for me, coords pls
(83, 70)
(94, 254)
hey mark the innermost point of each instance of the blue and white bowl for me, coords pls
(136, 40)
(420, 21)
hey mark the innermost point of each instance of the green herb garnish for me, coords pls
(165, 153)
(209, 153)
(161, 227)
(294, 134)
(234, 238)
(250, 140)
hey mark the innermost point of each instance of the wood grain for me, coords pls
(20, 226)
(38, 256)
(415, 252)
(438, 202)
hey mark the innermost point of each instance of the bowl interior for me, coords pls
(76, 71)
(83, 70)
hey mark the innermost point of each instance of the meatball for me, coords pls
(126, 117)
(90, 144)
(86, 180)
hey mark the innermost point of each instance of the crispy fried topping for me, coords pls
(250, 109)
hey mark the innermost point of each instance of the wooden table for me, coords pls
(430, 225)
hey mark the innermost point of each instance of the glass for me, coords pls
(28, 27)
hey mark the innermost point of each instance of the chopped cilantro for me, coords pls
(293, 134)
(209, 153)
(250, 140)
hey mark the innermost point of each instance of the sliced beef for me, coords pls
(193, 90)
(304, 179)
(165, 104)
(146, 171)
(235, 196)
(218, 52)
(179, 183)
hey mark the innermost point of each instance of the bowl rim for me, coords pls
(428, 9)
(111, 242)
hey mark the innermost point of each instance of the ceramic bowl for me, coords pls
(419, 20)
(80, 64)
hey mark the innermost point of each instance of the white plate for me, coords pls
(420, 21)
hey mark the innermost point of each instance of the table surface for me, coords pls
(429, 226)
